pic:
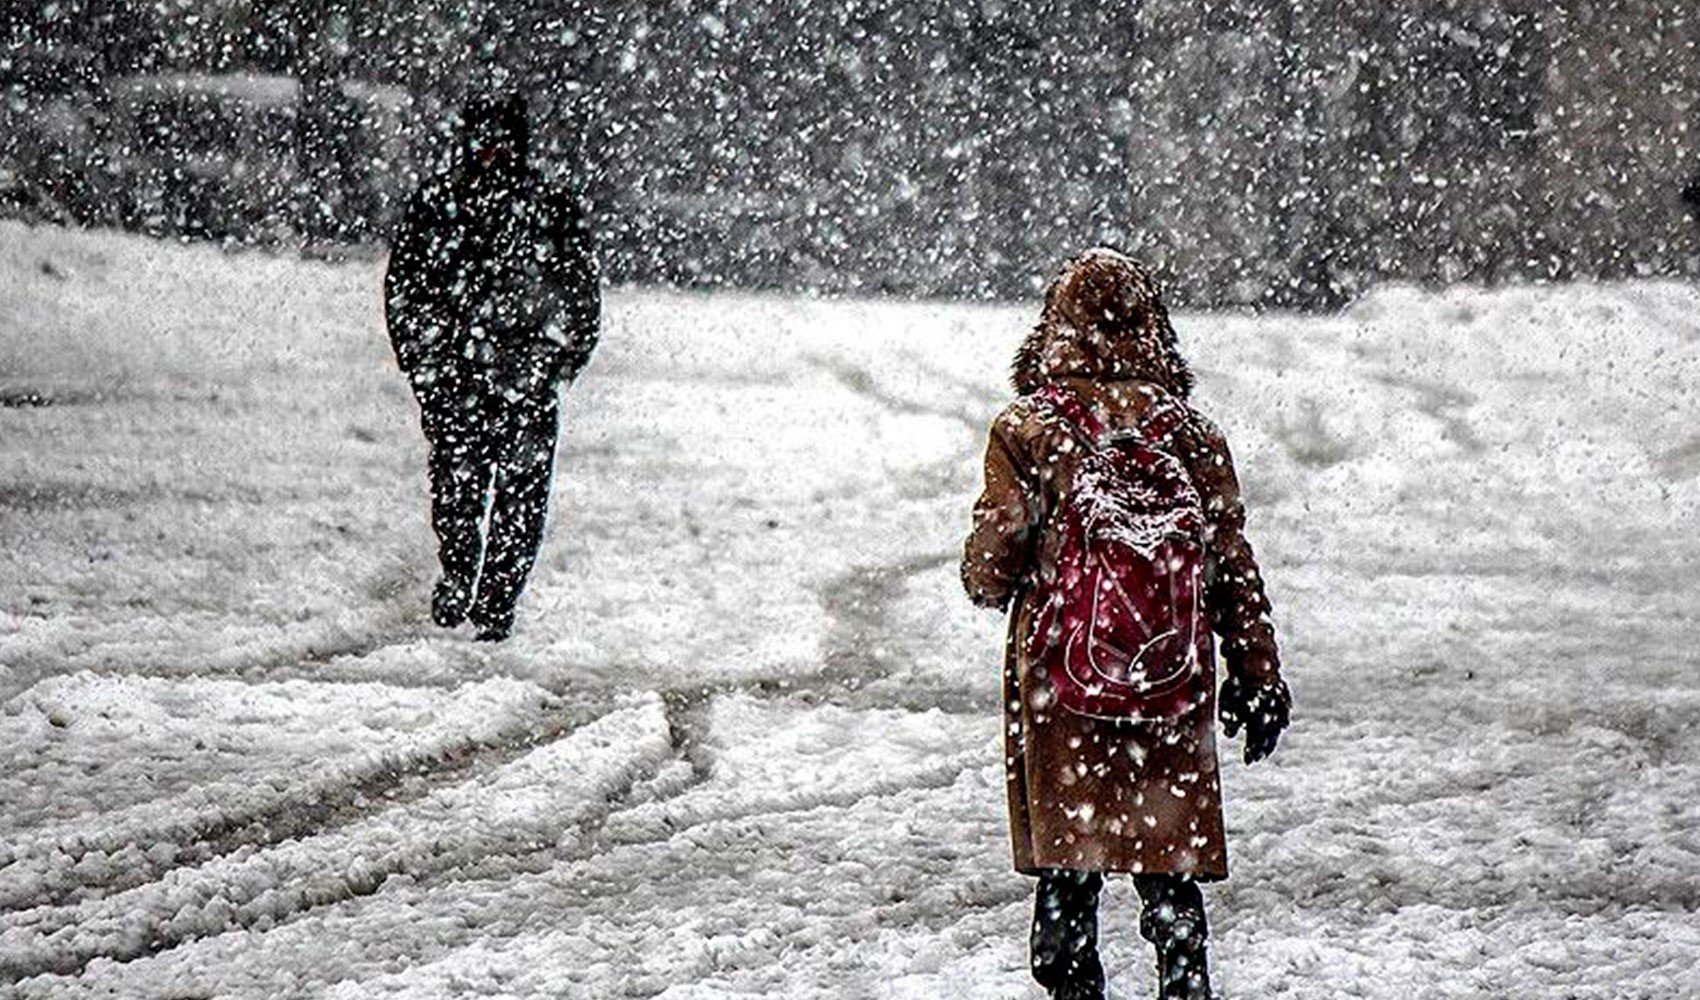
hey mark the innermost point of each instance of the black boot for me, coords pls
(1065, 935)
(450, 601)
(1173, 921)
(492, 627)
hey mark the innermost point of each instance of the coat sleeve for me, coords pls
(1239, 609)
(999, 551)
(577, 318)
(415, 308)
(548, 303)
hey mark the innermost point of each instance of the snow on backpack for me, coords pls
(1120, 629)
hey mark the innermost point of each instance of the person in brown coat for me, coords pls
(1088, 796)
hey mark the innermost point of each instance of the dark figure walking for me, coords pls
(492, 301)
(1133, 789)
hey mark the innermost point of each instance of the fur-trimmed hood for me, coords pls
(1103, 318)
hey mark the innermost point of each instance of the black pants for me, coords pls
(1065, 934)
(489, 454)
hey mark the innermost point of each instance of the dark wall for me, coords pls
(1261, 152)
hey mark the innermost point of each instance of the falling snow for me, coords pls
(1434, 271)
(273, 776)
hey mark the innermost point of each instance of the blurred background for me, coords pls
(1262, 153)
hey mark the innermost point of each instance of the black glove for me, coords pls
(1263, 710)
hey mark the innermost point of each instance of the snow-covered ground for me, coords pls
(744, 741)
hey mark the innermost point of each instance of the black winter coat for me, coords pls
(496, 279)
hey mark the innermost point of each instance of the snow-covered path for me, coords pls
(744, 741)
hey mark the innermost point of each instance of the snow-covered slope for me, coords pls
(239, 762)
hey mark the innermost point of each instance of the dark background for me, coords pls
(1261, 153)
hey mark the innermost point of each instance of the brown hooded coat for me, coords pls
(1086, 794)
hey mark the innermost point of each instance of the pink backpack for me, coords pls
(1120, 628)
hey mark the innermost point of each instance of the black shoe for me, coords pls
(1184, 977)
(449, 602)
(1064, 942)
(1183, 965)
(1173, 920)
(493, 628)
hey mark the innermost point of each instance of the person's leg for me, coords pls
(518, 512)
(1064, 945)
(1173, 921)
(460, 470)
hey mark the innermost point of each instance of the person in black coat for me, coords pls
(493, 302)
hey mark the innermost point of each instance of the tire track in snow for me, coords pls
(158, 837)
(141, 842)
(484, 907)
(670, 952)
(990, 402)
(1681, 462)
(864, 647)
(465, 762)
(1444, 404)
(862, 382)
(533, 801)
(860, 643)
(860, 648)
(256, 652)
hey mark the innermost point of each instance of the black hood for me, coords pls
(497, 120)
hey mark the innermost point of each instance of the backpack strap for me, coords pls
(1075, 413)
(1162, 420)
(1154, 425)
